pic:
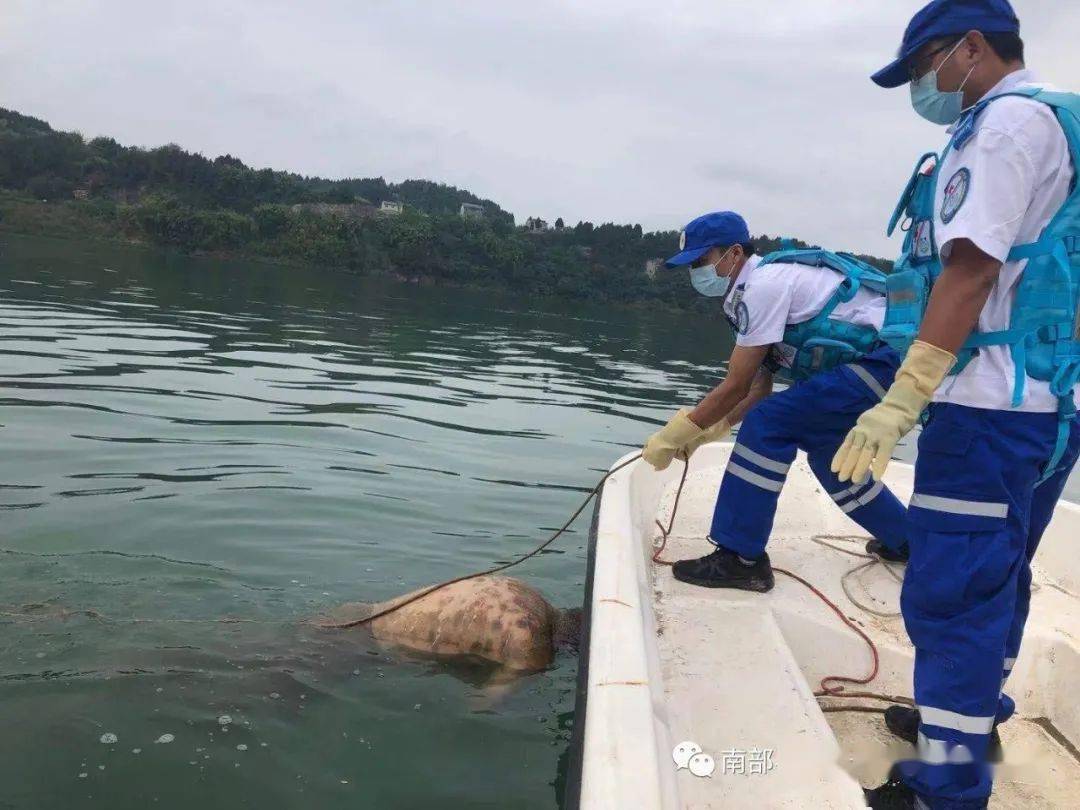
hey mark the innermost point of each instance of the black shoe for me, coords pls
(724, 569)
(879, 549)
(903, 721)
(893, 795)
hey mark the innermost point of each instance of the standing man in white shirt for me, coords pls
(790, 311)
(1000, 249)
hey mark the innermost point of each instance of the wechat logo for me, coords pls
(689, 756)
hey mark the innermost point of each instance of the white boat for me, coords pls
(736, 672)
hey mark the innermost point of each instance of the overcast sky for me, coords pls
(604, 110)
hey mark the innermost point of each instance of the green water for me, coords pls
(185, 440)
(190, 440)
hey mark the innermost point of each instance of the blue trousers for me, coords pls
(813, 416)
(975, 522)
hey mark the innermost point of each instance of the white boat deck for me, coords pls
(735, 672)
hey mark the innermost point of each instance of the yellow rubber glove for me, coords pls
(671, 440)
(716, 433)
(870, 444)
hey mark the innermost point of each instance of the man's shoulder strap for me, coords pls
(1059, 100)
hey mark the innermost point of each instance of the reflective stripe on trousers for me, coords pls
(813, 416)
(975, 520)
(858, 496)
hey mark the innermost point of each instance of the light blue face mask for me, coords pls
(706, 281)
(934, 105)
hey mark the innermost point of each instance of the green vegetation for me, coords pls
(58, 183)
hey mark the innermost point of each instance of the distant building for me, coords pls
(471, 211)
(81, 194)
(391, 207)
(535, 225)
(651, 266)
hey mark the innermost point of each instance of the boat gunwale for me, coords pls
(608, 775)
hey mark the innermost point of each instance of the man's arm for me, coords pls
(984, 223)
(959, 295)
(688, 430)
(743, 369)
(761, 387)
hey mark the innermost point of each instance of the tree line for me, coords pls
(169, 196)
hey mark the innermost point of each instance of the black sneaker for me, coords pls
(879, 549)
(893, 795)
(725, 569)
(903, 721)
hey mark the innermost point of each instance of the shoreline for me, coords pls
(125, 241)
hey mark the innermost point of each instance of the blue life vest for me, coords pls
(822, 343)
(1044, 326)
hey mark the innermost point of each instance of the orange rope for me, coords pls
(837, 691)
(825, 690)
(665, 533)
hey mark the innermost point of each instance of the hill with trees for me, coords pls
(60, 183)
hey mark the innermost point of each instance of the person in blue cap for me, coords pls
(790, 311)
(995, 235)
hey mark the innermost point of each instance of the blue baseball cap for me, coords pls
(719, 229)
(944, 18)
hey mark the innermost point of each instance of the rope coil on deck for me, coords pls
(831, 686)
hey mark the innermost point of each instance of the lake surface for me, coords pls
(191, 441)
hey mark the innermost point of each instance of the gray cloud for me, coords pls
(626, 111)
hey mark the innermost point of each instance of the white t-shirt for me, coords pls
(1001, 190)
(767, 299)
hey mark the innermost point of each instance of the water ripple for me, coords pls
(202, 452)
